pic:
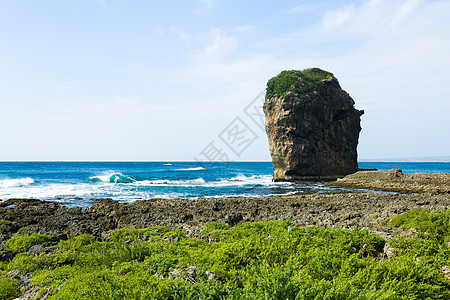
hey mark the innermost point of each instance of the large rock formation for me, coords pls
(312, 126)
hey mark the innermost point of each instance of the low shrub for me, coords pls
(5, 225)
(260, 260)
(24, 242)
(8, 287)
(299, 82)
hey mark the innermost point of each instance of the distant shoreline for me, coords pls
(426, 159)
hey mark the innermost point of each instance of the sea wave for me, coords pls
(240, 180)
(248, 180)
(191, 169)
(113, 178)
(168, 164)
(20, 182)
(256, 180)
(167, 182)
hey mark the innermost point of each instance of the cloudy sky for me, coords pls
(169, 80)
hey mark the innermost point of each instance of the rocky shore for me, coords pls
(343, 210)
(395, 181)
(346, 210)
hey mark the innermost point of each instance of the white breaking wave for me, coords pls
(113, 178)
(169, 164)
(191, 169)
(49, 191)
(167, 182)
(266, 180)
(12, 183)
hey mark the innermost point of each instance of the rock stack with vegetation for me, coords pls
(312, 126)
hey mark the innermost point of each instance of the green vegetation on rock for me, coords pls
(262, 260)
(24, 242)
(299, 82)
(5, 225)
(430, 244)
(8, 287)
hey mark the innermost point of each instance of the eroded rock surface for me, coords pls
(312, 126)
(190, 215)
(394, 180)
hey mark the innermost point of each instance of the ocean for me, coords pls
(80, 183)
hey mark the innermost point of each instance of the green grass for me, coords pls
(299, 82)
(262, 260)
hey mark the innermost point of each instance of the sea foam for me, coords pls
(167, 182)
(191, 169)
(11, 183)
(113, 178)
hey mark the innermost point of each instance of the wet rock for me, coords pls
(312, 126)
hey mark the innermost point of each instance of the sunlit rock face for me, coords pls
(312, 126)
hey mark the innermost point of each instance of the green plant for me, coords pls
(24, 242)
(132, 233)
(22, 230)
(214, 226)
(8, 287)
(258, 260)
(429, 224)
(5, 225)
(299, 82)
(175, 233)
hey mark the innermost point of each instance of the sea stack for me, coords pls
(312, 126)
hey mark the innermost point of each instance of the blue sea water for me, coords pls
(80, 183)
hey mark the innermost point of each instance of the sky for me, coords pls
(139, 80)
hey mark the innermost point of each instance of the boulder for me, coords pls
(312, 126)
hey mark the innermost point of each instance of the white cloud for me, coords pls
(335, 19)
(391, 56)
(214, 45)
(204, 5)
(303, 8)
(208, 3)
(245, 29)
(371, 18)
(159, 30)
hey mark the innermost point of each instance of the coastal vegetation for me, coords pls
(299, 82)
(251, 260)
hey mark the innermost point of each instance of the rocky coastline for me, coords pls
(335, 210)
(345, 210)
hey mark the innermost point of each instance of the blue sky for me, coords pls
(162, 80)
